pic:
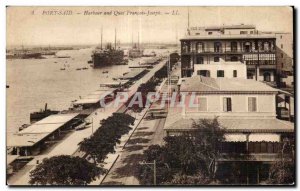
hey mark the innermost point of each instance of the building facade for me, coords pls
(237, 51)
(246, 109)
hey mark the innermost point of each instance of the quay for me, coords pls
(70, 145)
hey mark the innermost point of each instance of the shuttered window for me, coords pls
(252, 104)
(227, 104)
(202, 104)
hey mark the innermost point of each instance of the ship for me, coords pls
(135, 51)
(108, 56)
(36, 116)
(24, 55)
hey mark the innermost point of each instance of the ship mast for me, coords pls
(188, 29)
(138, 40)
(115, 39)
(101, 36)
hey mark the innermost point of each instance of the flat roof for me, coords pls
(206, 84)
(94, 97)
(11, 158)
(114, 83)
(25, 140)
(133, 73)
(227, 36)
(39, 130)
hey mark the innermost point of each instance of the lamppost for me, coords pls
(154, 169)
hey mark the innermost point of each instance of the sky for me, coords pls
(40, 26)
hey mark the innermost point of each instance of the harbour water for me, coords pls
(34, 82)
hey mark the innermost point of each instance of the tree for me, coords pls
(65, 170)
(183, 179)
(282, 172)
(104, 140)
(209, 134)
(185, 158)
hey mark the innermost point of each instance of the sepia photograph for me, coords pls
(116, 96)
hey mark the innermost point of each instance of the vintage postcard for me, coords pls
(150, 96)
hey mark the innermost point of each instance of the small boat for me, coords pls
(90, 62)
(63, 69)
(105, 72)
(7, 86)
(24, 126)
(55, 62)
(63, 56)
(78, 68)
(85, 68)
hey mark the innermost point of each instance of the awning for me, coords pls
(267, 137)
(237, 137)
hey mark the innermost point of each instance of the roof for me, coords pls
(133, 73)
(206, 84)
(241, 26)
(229, 36)
(236, 125)
(94, 97)
(25, 140)
(11, 158)
(39, 130)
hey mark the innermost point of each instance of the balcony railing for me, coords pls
(225, 51)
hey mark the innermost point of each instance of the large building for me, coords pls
(236, 51)
(246, 109)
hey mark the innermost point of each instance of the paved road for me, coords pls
(149, 132)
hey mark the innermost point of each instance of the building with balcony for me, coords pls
(236, 51)
(246, 110)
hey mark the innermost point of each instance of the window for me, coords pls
(243, 32)
(200, 47)
(205, 73)
(227, 104)
(197, 33)
(281, 55)
(252, 104)
(233, 46)
(266, 46)
(220, 73)
(202, 104)
(251, 32)
(209, 33)
(217, 47)
(234, 59)
(281, 45)
(280, 36)
(216, 59)
(281, 64)
(199, 60)
(234, 73)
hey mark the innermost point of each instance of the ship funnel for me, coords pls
(46, 107)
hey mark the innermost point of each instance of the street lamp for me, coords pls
(154, 169)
